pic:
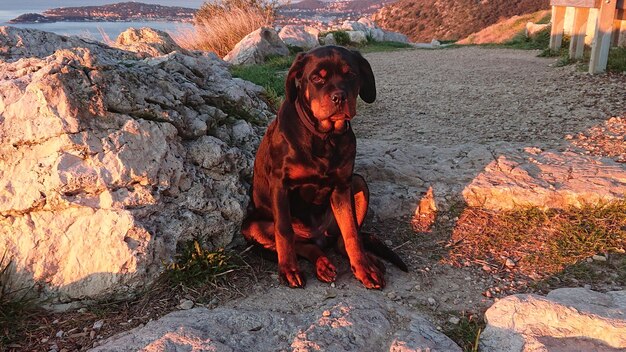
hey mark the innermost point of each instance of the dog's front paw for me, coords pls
(326, 271)
(291, 276)
(370, 271)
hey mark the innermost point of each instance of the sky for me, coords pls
(13, 5)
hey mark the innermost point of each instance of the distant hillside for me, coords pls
(123, 11)
(423, 20)
(315, 12)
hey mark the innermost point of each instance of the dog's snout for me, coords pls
(338, 97)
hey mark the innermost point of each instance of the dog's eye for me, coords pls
(317, 79)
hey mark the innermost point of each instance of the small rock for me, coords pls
(599, 258)
(431, 301)
(486, 268)
(391, 295)
(326, 313)
(185, 304)
(468, 278)
(98, 325)
(92, 335)
(589, 260)
(82, 310)
(59, 333)
(55, 321)
(44, 340)
(388, 242)
(509, 263)
(454, 320)
(332, 284)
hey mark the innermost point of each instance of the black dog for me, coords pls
(305, 196)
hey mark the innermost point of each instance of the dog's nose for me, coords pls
(338, 97)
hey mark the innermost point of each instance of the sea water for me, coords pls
(101, 31)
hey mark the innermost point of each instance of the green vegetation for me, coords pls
(341, 37)
(546, 242)
(382, 47)
(16, 303)
(270, 75)
(617, 60)
(195, 266)
(540, 41)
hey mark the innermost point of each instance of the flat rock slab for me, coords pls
(318, 318)
(547, 180)
(567, 319)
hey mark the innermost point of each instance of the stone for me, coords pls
(567, 319)
(148, 41)
(435, 43)
(277, 321)
(357, 37)
(110, 159)
(329, 39)
(367, 23)
(546, 180)
(377, 34)
(304, 37)
(256, 47)
(353, 26)
(532, 29)
(395, 37)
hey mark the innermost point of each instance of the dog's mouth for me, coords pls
(341, 117)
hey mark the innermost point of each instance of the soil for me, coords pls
(450, 101)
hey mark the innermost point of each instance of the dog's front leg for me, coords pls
(363, 266)
(284, 235)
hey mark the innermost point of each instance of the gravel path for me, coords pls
(476, 95)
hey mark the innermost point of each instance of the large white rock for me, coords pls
(353, 26)
(568, 319)
(547, 180)
(146, 40)
(256, 47)
(395, 37)
(288, 320)
(109, 160)
(304, 37)
(357, 37)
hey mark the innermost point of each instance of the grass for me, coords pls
(219, 27)
(540, 41)
(542, 243)
(270, 75)
(17, 304)
(195, 266)
(467, 332)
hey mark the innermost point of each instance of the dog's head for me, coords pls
(326, 81)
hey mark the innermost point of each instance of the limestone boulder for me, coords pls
(256, 47)
(395, 37)
(329, 39)
(546, 180)
(377, 34)
(288, 320)
(304, 37)
(353, 26)
(110, 160)
(357, 37)
(150, 42)
(567, 319)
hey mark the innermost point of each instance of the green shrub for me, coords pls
(195, 265)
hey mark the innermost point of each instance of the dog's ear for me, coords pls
(367, 90)
(294, 76)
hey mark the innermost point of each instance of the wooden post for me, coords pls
(556, 33)
(579, 29)
(602, 38)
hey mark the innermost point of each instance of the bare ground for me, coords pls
(457, 108)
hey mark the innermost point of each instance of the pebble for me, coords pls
(59, 333)
(388, 242)
(391, 295)
(599, 258)
(332, 284)
(82, 310)
(468, 278)
(185, 304)
(92, 335)
(326, 313)
(431, 301)
(454, 320)
(509, 263)
(98, 325)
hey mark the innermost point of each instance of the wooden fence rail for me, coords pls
(609, 28)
